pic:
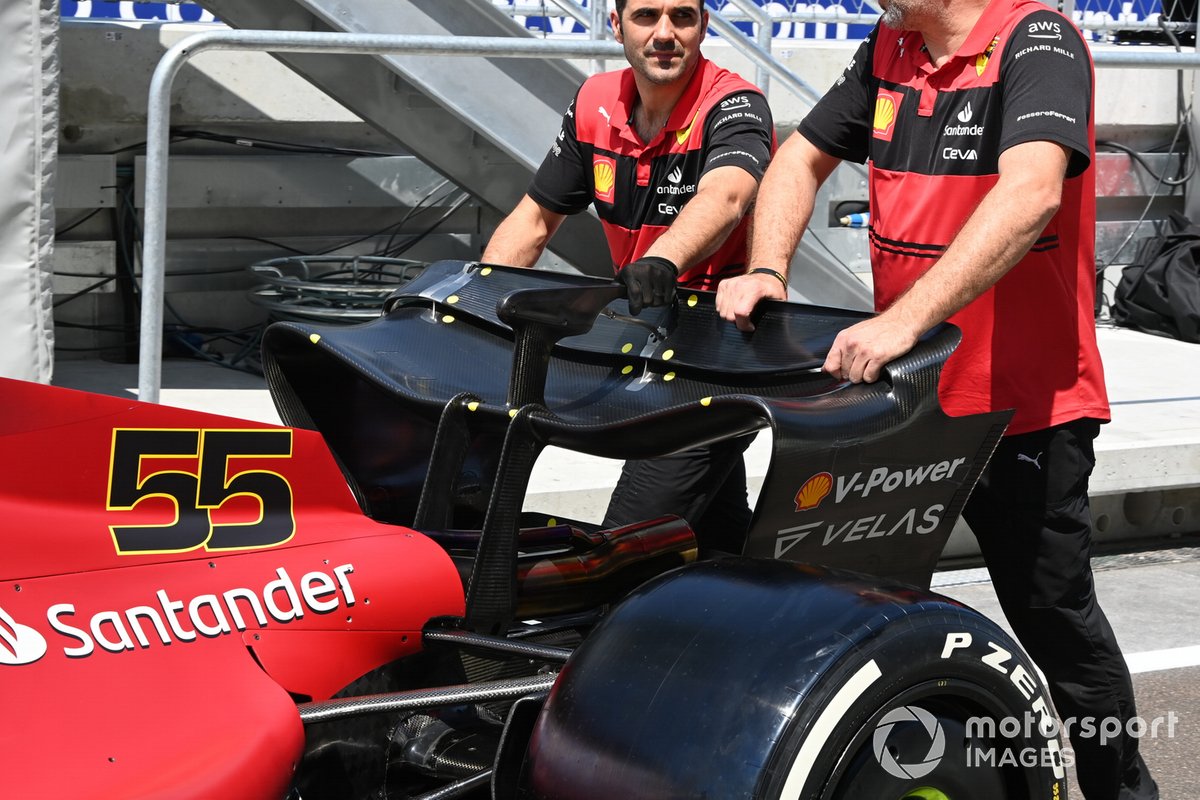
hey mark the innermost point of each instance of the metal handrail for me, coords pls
(758, 51)
(158, 129)
(836, 14)
(763, 58)
(158, 120)
(576, 11)
(598, 29)
(159, 114)
(760, 16)
(1138, 57)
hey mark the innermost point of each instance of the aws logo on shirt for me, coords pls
(604, 177)
(887, 108)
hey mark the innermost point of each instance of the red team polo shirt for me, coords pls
(639, 187)
(933, 138)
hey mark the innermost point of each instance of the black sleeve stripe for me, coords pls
(900, 243)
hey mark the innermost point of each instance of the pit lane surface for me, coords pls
(1149, 598)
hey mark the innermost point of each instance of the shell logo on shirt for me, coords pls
(604, 176)
(887, 105)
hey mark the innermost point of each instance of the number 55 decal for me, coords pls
(196, 477)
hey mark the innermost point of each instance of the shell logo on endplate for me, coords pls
(814, 490)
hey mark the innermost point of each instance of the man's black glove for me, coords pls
(650, 281)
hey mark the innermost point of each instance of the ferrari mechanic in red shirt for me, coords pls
(975, 118)
(669, 151)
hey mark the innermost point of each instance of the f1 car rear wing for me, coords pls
(438, 410)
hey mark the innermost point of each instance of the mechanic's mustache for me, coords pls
(669, 49)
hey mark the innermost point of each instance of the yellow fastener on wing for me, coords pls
(668, 355)
(314, 338)
(625, 348)
(625, 370)
(485, 271)
(704, 401)
(692, 300)
(452, 299)
(447, 319)
(670, 376)
(512, 412)
(473, 405)
(551, 522)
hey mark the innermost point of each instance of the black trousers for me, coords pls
(1031, 515)
(706, 486)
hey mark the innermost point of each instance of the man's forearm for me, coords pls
(786, 199)
(699, 230)
(522, 236)
(785, 204)
(706, 221)
(513, 248)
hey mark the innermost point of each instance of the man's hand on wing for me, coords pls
(860, 352)
(649, 281)
(738, 297)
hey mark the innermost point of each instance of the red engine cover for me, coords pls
(151, 557)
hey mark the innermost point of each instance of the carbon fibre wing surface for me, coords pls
(437, 410)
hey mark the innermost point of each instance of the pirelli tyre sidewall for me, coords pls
(937, 705)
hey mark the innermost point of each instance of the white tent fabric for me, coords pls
(29, 133)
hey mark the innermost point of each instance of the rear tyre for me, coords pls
(759, 679)
(918, 714)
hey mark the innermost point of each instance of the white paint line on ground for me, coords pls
(960, 577)
(1159, 660)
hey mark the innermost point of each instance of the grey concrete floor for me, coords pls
(1149, 599)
